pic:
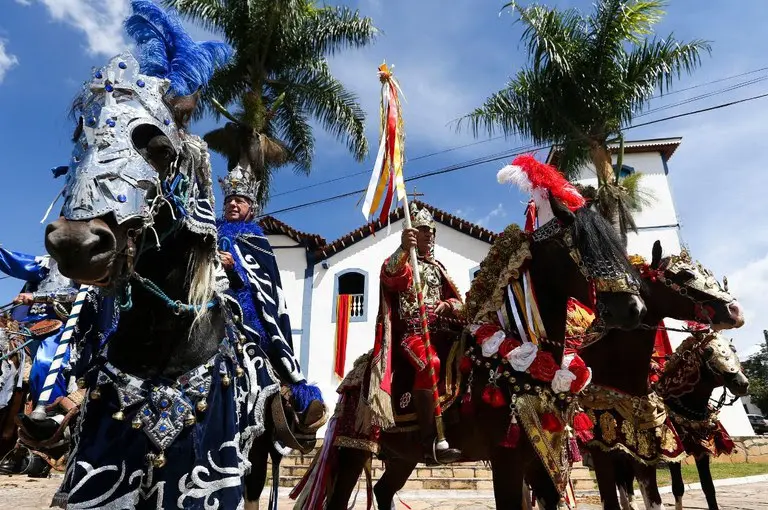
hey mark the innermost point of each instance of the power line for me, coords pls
(643, 114)
(507, 154)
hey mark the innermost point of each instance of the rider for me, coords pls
(441, 300)
(255, 284)
(45, 301)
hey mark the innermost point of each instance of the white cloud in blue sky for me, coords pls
(7, 60)
(448, 57)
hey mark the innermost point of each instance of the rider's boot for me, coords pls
(434, 451)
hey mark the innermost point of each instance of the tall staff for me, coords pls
(386, 180)
(58, 357)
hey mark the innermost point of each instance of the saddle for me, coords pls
(297, 430)
(45, 327)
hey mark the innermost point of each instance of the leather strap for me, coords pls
(45, 327)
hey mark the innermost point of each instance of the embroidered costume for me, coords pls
(256, 288)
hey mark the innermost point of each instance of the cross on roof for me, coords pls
(415, 194)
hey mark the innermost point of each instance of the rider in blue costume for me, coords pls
(255, 284)
(47, 295)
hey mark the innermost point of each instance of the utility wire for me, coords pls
(506, 154)
(491, 139)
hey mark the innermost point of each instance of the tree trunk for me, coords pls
(601, 158)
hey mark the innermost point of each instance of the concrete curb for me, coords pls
(433, 494)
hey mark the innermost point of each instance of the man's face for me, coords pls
(237, 208)
(425, 239)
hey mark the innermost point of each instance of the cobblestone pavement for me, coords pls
(23, 493)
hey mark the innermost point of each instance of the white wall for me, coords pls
(292, 262)
(655, 223)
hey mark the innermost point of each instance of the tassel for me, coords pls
(574, 454)
(487, 394)
(466, 365)
(513, 434)
(467, 405)
(551, 423)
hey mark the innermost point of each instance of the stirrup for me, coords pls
(452, 454)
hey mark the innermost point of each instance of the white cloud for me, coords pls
(749, 284)
(498, 212)
(7, 61)
(101, 22)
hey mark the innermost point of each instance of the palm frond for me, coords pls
(551, 36)
(333, 29)
(327, 100)
(209, 14)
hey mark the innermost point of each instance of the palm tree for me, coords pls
(279, 81)
(588, 76)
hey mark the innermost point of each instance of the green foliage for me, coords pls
(279, 80)
(587, 76)
(756, 370)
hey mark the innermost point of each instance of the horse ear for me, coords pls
(561, 211)
(656, 255)
(183, 107)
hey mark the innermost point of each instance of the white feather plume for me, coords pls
(513, 174)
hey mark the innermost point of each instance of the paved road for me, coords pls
(22, 493)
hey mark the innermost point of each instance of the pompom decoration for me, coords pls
(521, 357)
(551, 423)
(543, 367)
(491, 344)
(507, 346)
(513, 434)
(466, 365)
(493, 396)
(583, 426)
(483, 332)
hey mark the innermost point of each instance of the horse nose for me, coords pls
(736, 313)
(741, 385)
(77, 242)
(637, 308)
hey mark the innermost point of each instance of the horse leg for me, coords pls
(547, 497)
(508, 472)
(625, 479)
(396, 473)
(350, 462)
(705, 478)
(606, 479)
(646, 477)
(678, 487)
(255, 480)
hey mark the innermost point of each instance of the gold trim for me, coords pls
(620, 447)
(358, 444)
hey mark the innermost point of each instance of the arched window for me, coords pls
(353, 282)
(625, 170)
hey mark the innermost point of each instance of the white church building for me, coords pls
(314, 272)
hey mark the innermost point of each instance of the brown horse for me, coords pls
(566, 256)
(703, 362)
(675, 288)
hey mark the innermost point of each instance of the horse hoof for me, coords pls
(251, 505)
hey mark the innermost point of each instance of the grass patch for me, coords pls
(719, 471)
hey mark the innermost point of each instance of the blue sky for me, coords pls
(448, 56)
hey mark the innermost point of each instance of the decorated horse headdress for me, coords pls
(124, 108)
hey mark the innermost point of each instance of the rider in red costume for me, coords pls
(442, 302)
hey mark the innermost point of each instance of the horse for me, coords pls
(565, 257)
(172, 412)
(703, 362)
(675, 287)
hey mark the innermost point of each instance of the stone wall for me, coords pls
(748, 449)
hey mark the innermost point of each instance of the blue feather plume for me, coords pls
(303, 394)
(167, 51)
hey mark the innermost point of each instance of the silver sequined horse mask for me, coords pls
(131, 158)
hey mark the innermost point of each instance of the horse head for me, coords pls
(685, 290)
(136, 177)
(580, 255)
(704, 361)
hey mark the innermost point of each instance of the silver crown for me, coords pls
(422, 218)
(239, 183)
